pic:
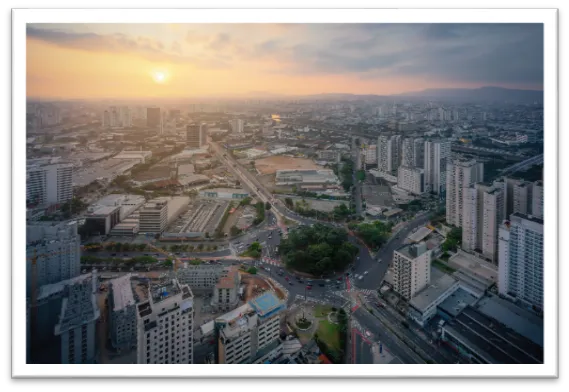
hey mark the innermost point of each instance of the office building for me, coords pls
(521, 259)
(153, 118)
(435, 163)
(370, 153)
(153, 217)
(483, 207)
(226, 290)
(122, 314)
(411, 269)
(460, 175)
(57, 248)
(251, 333)
(237, 125)
(102, 220)
(196, 135)
(165, 325)
(411, 180)
(537, 200)
(78, 321)
(49, 183)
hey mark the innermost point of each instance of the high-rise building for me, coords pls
(521, 197)
(483, 207)
(49, 183)
(237, 125)
(78, 321)
(165, 325)
(411, 179)
(122, 314)
(196, 135)
(57, 248)
(382, 153)
(521, 259)
(437, 153)
(411, 269)
(251, 333)
(537, 200)
(370, 154)
(419, 153)
(153, 117)
(153, 217)
(389, 153)
(407, 157)
(460, 175)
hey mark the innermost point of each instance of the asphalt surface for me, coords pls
(361, 348)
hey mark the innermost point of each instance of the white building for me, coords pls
(328, 155)
(411, 179)
(460, 175)
(306, 177)
(537, 199)
(226, 291)
(237, 125)
(251, 333)
(370, 153)
(140, 156)
(389, 153)
(77, 321)
(122, 313)
(411, 269)
(57, 248)
(521, 259)
(127, 203)
(224, 193)
(483, 207)
(153, 217)
(166, 325)
(423, 306)
(49, 183)
(436, 155)
(202, 277)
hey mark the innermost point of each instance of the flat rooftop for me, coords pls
(457, 301)
(56, 288)
(432, 292)
(122, 292)
(266, 304)
(420, 234)
(478, 267)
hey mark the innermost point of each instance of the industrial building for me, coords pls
(56, 245)
(139, 156)
(122, 313)
(329, 155)
(302, 177)
(49, 183)
(127, 203)
(224, 193)
(202, 217)
(251, 333)
(77, 320)
(165, 325)
(411, 269)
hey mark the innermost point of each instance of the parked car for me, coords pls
(308, 287)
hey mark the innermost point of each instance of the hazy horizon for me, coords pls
(138, 61)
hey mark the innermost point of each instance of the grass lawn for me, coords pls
(322, 311)
(443, 266)
(329, 333)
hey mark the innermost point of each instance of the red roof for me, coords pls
(324, 359)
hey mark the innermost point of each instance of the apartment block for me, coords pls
(49, 183)
(196, 135)
(251, 333)
(165, 325)
(411, 179)
(237, 125)
(153, 217)
(122, 313)
(411, 269)
(460, 175)
(226, 290)
(521, 259)
(56, 245)
(537, 200)
(78, 321)
(437, 153)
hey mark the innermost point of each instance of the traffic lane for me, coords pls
(160, 256)
(383, 335)
(361, 348)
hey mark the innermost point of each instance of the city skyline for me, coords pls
(89, 61)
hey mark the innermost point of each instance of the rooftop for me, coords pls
(420, 234)
(122, 292)
(413, 251)
(266, 304)
(162, 291)
(424, 298)
(56, 288)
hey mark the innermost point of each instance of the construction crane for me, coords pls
(177, 262)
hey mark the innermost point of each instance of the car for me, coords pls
(291, 284)
(300, 281)
(327, 280)
(321, 284)
(287, 278)
(361, 277)
(365, 273)
(146, 254)
(113, 254)
(124, 255)
(340, 279)
(308, 287)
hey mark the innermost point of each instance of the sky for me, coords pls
(98, 61)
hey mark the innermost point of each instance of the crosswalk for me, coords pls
(268, 260)
(310, 299)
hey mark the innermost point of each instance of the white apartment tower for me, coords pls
(251, 333)
(419, 153)
(537, 200)
(165, 325)
(407, 157)
(77, 321)
(153, 217)
(483, 211)
(521, 259)
(436, 155)
(411, 179)
(460, 175)
(49, 183)
(370, 154)
(411, 269)
(57, 248)
(388, 153)
(237, 125)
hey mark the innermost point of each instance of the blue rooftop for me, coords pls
(266, 304)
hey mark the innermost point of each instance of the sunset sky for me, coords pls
(187, 60)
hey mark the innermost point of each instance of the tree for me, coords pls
(252, 270)
(207, 234)
(289, 203)
(267, 205)
(200, 247)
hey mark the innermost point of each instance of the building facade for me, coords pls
(411, 269)
(435, 163)
(460, 175)
(49, 183)
(165, 325)
(226, 291)
(411, 179)
(153, 118)
(537, 199)
(153, 217)
(237, 125)
(122, 314)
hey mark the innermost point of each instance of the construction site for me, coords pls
(204, 216)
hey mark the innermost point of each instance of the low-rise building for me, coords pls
(303, 177)
(423, 306)
(224, 193)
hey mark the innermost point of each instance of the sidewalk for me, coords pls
(385, 357)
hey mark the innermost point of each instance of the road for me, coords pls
(361, 348)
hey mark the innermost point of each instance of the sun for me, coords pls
(159, 76)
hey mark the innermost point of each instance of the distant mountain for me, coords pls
(481, 94)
